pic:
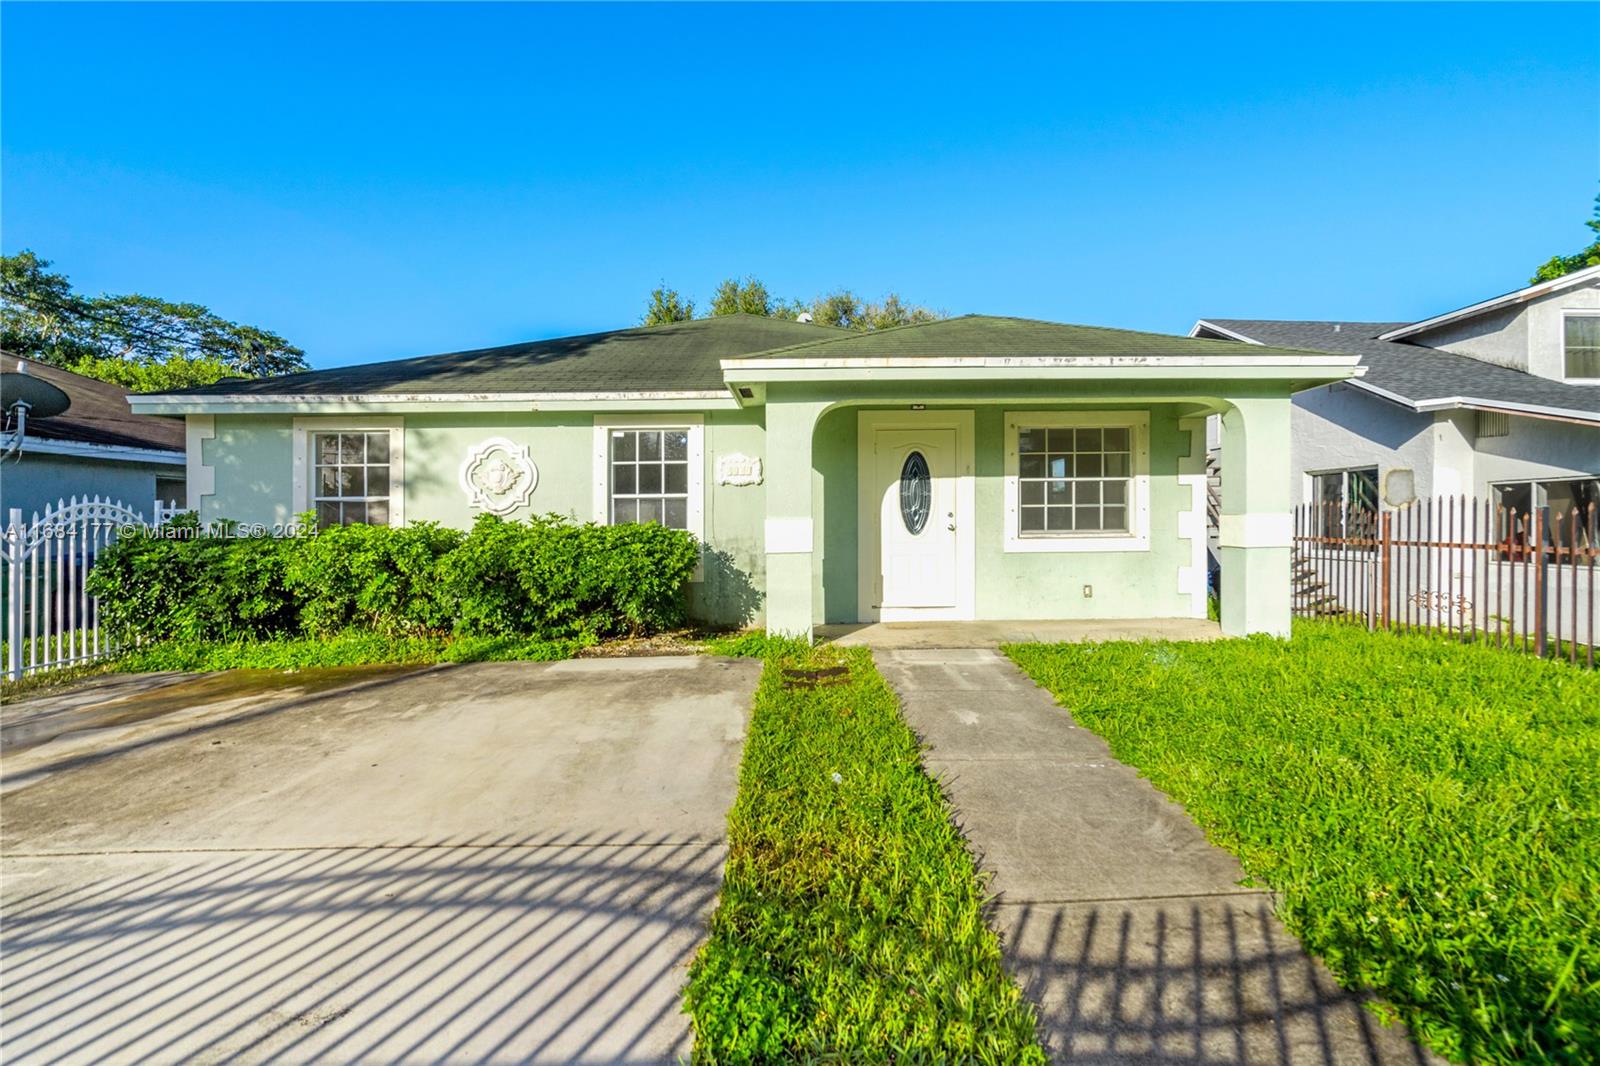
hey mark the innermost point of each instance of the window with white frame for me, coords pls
(649, 471)
(1077, 481)
(1581, 344)
(350, 477)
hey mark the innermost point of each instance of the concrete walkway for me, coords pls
(507, 862)
(1128, 929)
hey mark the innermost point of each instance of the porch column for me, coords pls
(1256, 526)
(790, 538)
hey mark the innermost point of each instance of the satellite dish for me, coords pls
(44, 400)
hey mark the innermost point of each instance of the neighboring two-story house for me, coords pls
(1497, 401)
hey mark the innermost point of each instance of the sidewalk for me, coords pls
(1123, 924)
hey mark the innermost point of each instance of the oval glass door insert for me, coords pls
(916, 493)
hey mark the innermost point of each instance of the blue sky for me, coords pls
(376, 181)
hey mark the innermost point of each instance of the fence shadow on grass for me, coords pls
(1186, 981)
(559, 950)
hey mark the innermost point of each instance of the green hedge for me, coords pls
(184, 586)
(547, 578)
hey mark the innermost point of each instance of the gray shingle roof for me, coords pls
(1415, 372)
(673, 357)
(687, 356)
(994, 336)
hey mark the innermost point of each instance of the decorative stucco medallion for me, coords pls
(498, 475)
(738, 469)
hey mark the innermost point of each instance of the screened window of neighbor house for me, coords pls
(351, 478)
(1583, 346)
(1073, 480)
(1344, 499)
(650, 476)
(1558, 501)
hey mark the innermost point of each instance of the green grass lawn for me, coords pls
(1428, 812)
(850, 924)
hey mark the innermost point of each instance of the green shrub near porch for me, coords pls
(547, 578)
(850, 925)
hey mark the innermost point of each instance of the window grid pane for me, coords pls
(650, 476)
(1073, 480)
(350, 477)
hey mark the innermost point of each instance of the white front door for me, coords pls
(916, 556)
(915, 479)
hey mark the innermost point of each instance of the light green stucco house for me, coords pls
(971, 468)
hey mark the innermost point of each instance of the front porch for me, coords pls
(1056, 477)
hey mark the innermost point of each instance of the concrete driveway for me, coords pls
(496, 862)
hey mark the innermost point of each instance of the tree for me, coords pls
(842, 308)
(136, 341)
(751, 296)
(155, 377)
(892, 312)
(666, 305)
(1561, 265)
(849, 311)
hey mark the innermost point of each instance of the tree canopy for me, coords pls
(139, 342)
(1562, 265)
(750, 296)
(667, 305)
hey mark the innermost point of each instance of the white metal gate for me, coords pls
(51, 621)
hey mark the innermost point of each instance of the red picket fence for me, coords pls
(1454, 565)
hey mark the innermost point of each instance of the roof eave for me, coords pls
(1480, 403)
(401, 403)
(114, 453)
(1573, 280)
(1309, 368)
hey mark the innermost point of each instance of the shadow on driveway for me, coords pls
(1187, 981)
(511, 951)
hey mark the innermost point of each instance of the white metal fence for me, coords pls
(51, 621)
